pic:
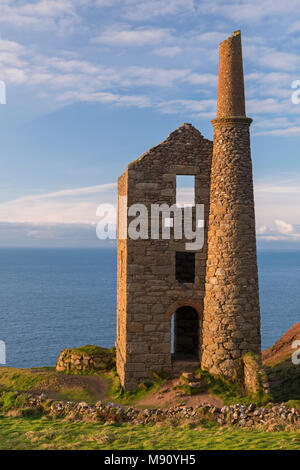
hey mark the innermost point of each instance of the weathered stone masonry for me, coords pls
(148, 293)
(221, 306)
(231, 325)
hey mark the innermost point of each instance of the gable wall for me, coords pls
(151, 287)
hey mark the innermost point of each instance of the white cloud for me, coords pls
(71, 192)
(211, 37)
(40, 14)
(280, 188)
(50, 215)
(168, 51)
(10, 46)
(292, 131)
(194, 107)
(295, 27)
(270, 57)
(277, 206)
(262, 229)
(106, 98)
(207, 79)
(249, 10)
(39, 235)
(271, 106)
(284, 227)
(151, 8)
(141, 10)
(153, 76)
(67, 65)
(278, 231)
(275, 122)
(280, 60)
(126, 36)
(81, 80)
(77, 205)
(72, 75)
(12, 63)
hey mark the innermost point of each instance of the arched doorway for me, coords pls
(185, 341)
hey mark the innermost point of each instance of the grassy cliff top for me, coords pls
(283, 374)
(91, 350)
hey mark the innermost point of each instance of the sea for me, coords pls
(56, 298)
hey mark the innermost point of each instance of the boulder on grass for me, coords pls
(86, 359)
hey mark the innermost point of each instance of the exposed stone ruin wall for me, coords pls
(151, 285)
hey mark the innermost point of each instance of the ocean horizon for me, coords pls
(56, 298)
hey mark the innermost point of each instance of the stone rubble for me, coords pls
(273, 417)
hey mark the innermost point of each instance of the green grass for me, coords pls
(11, 400)
(45, 433)
(130, 397)
(77, 394)
(24, 379)
(284, 379)
(232, 391)
(91, 350)
(293, 404)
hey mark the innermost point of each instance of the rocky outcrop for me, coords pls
(283, 373)
(282, 350)
(86, 359)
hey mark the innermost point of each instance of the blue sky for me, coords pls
(92, 84)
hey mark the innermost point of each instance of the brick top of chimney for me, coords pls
(231, 97)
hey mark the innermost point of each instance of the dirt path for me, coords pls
(61, 382)
(166, 396)
(91, 388)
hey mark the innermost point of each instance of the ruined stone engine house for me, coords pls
(178, 309)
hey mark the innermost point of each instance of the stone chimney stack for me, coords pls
(231, 317)
(231, 96)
